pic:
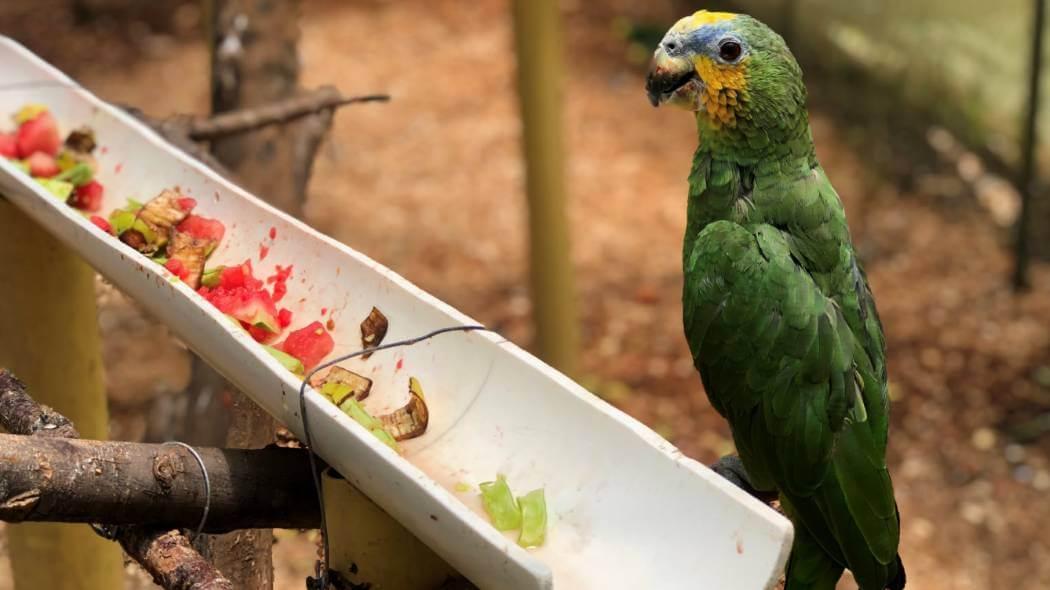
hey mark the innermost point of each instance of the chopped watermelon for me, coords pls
(42, 165)
(202, 227)
(284, 316)
(88, 197)
(39, 134)
(178, 269)
(310, 344)
(261, 334)
(8, 145)
(101, 223)
(254, 308)
(233, 277)
(187, 203)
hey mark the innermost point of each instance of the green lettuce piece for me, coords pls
(212, 277)
(78, 174)
(146, 231)
(351, 408)
(533, 519)
(288, 361)
(121, 220)
(500, 504)
(58, 188)
(336, 391)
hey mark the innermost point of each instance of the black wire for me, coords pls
(306, 429)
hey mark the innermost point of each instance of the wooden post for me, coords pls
(49, 337)
(539, 49)
(1026, 179)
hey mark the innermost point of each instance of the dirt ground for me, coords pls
(969, 360)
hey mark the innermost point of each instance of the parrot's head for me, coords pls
(734, 72)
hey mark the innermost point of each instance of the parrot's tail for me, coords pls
(898, 581)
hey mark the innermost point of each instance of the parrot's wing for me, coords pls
(780, 361)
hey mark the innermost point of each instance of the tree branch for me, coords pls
(325, 98)
(149, 548)
(161, 486)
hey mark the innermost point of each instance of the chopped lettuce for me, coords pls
(288, 361)
(500, 504)
(58, 188)
(533, 519)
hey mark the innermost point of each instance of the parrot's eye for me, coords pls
(670, 46)
(730, 51)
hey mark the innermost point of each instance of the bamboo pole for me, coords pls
(50, 339)
(539, 50)
(1026, 178)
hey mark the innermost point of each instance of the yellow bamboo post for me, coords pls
(539, 50)
(369, 546)
(49, 339)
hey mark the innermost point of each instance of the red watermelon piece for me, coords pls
(39, 134)
(310, 344)
(284, 316)
(177, 268)
(101, 223)
(42, 165)
(88, 197)
(8, 145)
(204, 228)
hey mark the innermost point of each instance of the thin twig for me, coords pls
(244, 120)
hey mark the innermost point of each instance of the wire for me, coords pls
(323, 573)
(207, 485)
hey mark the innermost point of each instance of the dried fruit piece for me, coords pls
(373, 330)
(345, 382)
(81, 140)
(533, 519)
(410, 420)
(500, 504)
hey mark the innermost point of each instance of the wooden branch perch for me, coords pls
(161, 486)
(158, 552)
(325, 98)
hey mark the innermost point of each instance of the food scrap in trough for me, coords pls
(410, 420)
(373, 330)
(527, 513)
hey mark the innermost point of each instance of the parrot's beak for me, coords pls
(672, 79)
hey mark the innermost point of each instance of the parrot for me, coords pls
(777, 309)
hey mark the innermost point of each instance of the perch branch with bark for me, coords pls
(166, 555)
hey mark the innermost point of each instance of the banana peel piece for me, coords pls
(154, 221)
(373, 330)
(338, 383)
(192, 252)
(410, 420)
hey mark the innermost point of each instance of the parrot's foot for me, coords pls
(732, 468)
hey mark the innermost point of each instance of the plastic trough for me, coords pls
(627, 509)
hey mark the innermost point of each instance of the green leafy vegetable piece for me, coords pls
(121, 220)
(500, 504)
(212, 277)
(58, 188)
(533, 519)
(385, 438)
(143, 228)
(78, 174)
(462, 487)
(288, 361)
(351, 408)
(133, 206)
(336, 391)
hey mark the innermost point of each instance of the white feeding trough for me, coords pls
(626, 509)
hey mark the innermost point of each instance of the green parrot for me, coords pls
(777, 310)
